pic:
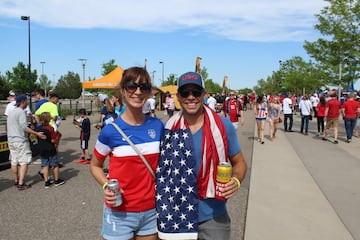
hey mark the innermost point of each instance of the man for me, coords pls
(149, 106)
(332, 112)
(51, 107)
(12, 105)
(17, 130)
(350, 110)
(189, 202)
(211, 102)
(233, 108)
(288, 113)
(40, 96)
(314, 100)
(152, 101)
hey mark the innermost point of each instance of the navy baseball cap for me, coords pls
(20, 98)
(190, 78)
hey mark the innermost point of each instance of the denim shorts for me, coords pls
(51, 161)
(125, 225)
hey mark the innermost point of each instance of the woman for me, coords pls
(135, 218)
(305, 110)
(274, 116)
(261, 112)
(108, 114)
(119, 107)
(320, 109)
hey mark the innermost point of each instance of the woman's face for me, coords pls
(114, 99)
(136, 93)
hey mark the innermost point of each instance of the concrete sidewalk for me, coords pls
(284, 200)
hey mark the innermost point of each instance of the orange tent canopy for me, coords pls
(108, 81)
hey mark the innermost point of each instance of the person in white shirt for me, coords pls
(288, 113)
(12, 105)
(152, 101)
(314, 100)
(305, 110)
(211, 102)
(149, 106)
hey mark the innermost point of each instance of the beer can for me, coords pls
(113, 185)
(224, 172)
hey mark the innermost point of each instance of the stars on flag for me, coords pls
(176, 189)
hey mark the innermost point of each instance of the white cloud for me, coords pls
(250, 20)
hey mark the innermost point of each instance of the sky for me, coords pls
(241, 39)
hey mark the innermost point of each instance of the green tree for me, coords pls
(5, 87)
(69, 86)
(210, 85)
(172, 79)
(339, 23)
(108, 67)
(245, 91)
(19, 78)
(45, 83)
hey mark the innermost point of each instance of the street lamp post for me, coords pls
(161, 62)
(42, 75)
(42, 67)
(27, 18)
(153, 77)
(83, 63)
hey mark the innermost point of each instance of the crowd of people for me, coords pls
(29, 133)
(326, 108)
(170, 187)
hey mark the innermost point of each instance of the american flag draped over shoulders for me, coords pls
(177, 182)
(176, 197)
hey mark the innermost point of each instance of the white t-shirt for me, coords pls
(314, 100)
(152, 103)
(147, 107)
(211, 102)
(287, 106)
(12, 105)
(305, 107)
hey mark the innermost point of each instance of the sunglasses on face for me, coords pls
(131, 87)
(186, 92)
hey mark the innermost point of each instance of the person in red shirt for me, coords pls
(320, 109)
(332, 112)
(232, 108)
(350, 111)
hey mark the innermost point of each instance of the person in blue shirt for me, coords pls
(190, 202)
(40, 96)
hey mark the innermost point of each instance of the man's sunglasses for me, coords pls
(131, 87)
(186, 92)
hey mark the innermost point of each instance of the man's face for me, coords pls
(191, 98)
(54, 100)
(37, 96)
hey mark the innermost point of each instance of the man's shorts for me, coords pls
(20, 153)
(332, 123)
(218, 228)
(124, 225)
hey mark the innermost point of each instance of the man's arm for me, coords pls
(239, 168)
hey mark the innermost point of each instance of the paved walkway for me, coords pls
(299, 188)
(304, 188)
